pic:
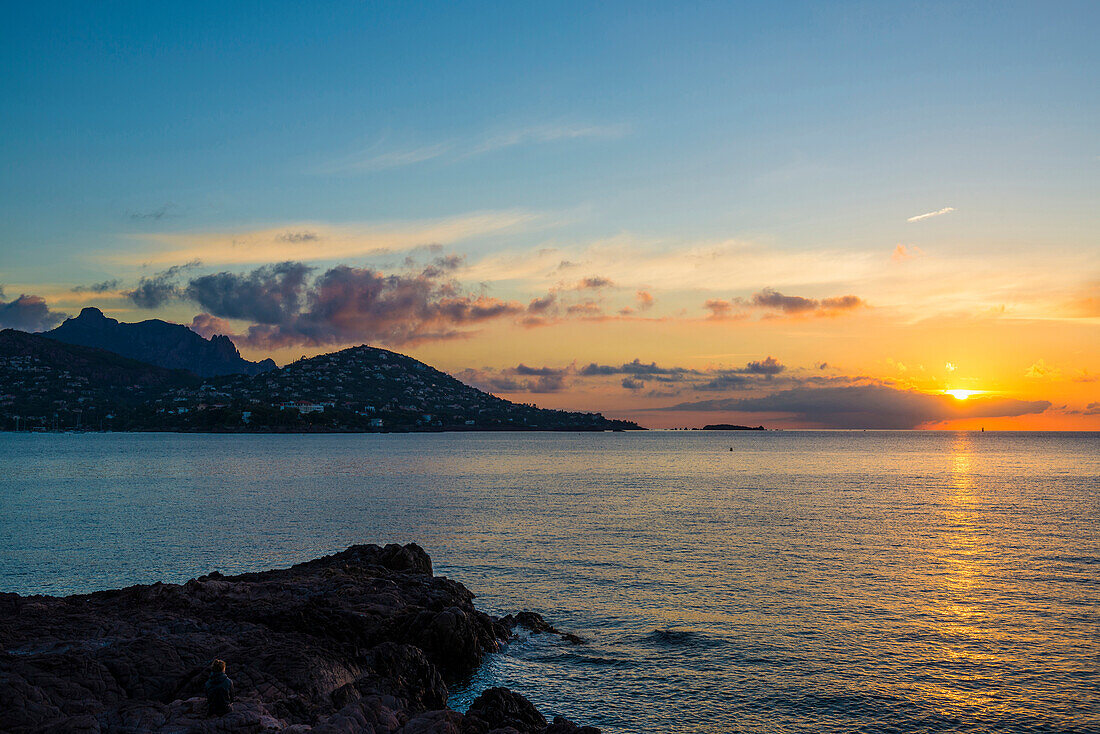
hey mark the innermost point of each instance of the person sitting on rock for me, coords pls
(219, 690)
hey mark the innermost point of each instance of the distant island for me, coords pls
(731, 427)
(52, 384)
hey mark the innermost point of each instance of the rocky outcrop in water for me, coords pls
(360, 641)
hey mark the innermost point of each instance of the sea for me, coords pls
(794, 581)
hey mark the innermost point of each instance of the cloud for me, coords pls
(522, 369)
(730, 379)
(271, 294)
(869, 406)
(298, 237)
(344, 305)
(1040, 370)
(769, 366)
(163, 212)
(375, 158)
(155, 291)
(929, 215)
(633, 375)
(28, 313)
(771, 299)
(902, 253)
(634, 367)
(207, 326)
(311, 241)
(727, 381)
(103, 287)
(548, 134)
(645, 300)
(720, 310)
(586, 309)
(593, 283)
(372, 159)
(546, 379)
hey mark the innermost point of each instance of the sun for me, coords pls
(962, 394)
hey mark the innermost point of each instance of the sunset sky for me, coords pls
(796, 214)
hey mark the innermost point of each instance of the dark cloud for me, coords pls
(633, 375)
(770, 366)
(345, 304)
(28, 313)
(155, 291)
(841, 303)
(539, 305)
(769, 298)
(547, 379)
(107, 285)
(269, 295)
(869, 406)
(298, 237)
(163, 212)
(773, 300)
(635, 367)
(523, 369)
(593, 282)
(725, 381)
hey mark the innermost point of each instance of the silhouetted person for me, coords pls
(219, 690)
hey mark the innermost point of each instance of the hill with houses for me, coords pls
(46, 384)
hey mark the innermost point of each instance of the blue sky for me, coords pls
(680, 120)
(609, 135)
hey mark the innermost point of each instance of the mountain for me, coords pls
(45, 383)
(172, 346)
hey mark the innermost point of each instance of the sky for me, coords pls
(789, 214)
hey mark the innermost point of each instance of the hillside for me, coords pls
(50, 384)
(47, 383)
(172, 346)
(361, 385)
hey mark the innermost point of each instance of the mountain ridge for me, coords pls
(157, 342)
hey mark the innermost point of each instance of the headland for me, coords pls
(363, 641)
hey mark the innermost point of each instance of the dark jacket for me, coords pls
(219, 693)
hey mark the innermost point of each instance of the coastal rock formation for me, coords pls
(360, 641)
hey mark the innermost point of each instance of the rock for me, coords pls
(362, 641)
(499, 708)
(533, 622)
(563, 725)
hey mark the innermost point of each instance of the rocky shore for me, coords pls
(360, 641)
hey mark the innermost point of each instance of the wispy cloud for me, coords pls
(377, 157)
(929, 215)
(315, 241)
(547, 134)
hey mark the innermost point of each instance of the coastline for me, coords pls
(365, 640)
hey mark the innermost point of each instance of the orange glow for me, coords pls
(963, 394)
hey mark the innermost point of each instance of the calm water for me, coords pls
(805, 581)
